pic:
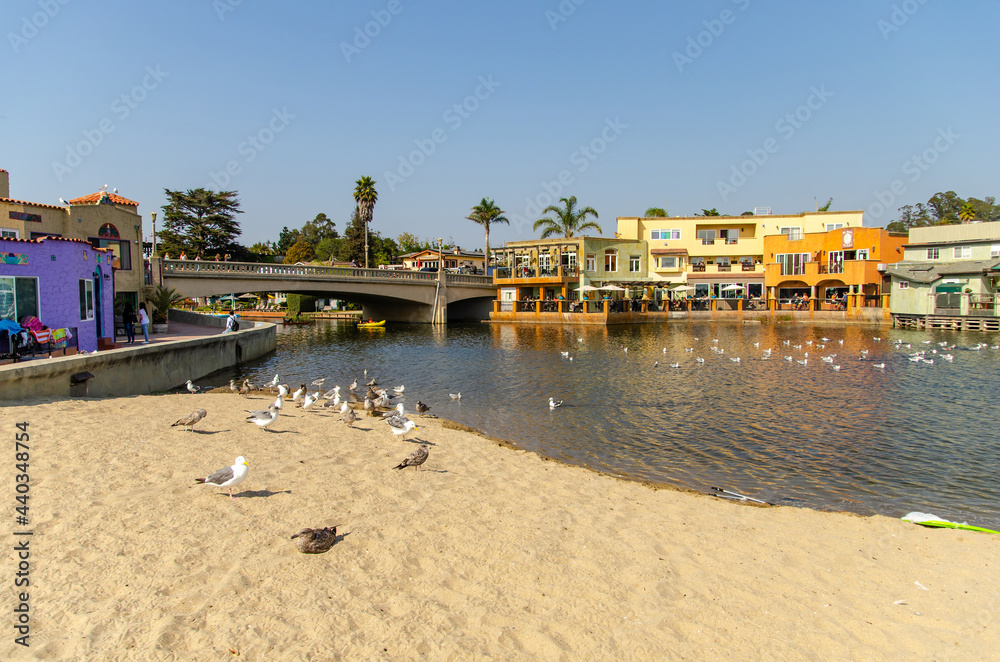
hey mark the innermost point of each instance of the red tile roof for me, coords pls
(42, 239)
(33, 204)
(96, 197)
(2, 170)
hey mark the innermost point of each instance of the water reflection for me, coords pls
(911, 436)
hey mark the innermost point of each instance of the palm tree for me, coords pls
(366, 196)
(655, 212)
(967, 213)
(825, 207)
(709, 212)
(568, 221)
(487, 213)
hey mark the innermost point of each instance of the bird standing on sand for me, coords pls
(349, 417)
(369, 405)
(315, 541)
(308, 402)
(189, 421)
(228, 476)
(245, 390)
(422, 408)
(192, 388)
(401, 426)
(233, 387)
(274, 382)
(298, 395)
(263, 417)
(414, 459)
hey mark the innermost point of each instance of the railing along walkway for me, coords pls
(185, 268)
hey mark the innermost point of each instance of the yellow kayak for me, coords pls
(371, 325)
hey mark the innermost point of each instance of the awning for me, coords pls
(668, 251)
(944, 289)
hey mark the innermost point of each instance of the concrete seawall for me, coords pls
(141, 369)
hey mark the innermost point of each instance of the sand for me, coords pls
(488, 553)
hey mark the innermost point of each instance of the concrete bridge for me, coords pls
(395, 296)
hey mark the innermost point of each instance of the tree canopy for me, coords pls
(655, 212)
(486, 213)
(568, 220)
(945, 208)
(200, 222)
(365, 196)
(301, 251)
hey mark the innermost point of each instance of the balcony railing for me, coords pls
(697, 267)
(723, 267)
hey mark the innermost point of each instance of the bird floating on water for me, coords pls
(455, 396)
(553, 403)
(228, 476)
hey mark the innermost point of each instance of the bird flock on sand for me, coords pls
(372, 402)
(830, 353)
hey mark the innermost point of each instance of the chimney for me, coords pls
(4, 183)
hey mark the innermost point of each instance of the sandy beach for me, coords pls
(488, 552)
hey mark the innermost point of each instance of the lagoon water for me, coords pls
(911, 436)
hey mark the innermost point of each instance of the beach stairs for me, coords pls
(106, 343)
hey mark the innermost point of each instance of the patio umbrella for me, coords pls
(612, 288)
(732, 288)
(683, 288)
(587, 288)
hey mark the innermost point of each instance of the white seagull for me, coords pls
(263, 417)
(192, 388)
(554, 403)
(228, 476)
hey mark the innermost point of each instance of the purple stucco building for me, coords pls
(65, 283)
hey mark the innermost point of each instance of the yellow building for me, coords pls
(454, 258)
(720, 256)
(105, 220)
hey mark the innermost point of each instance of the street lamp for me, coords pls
(440, 255)
(152, 215)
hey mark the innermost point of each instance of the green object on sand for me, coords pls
(924, 519)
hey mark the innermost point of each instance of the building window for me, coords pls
(665, 234)
(86, 299)
(904, 284)
(792, 264)
(611, 260)
(731, 236)
(794, 233)
(121, 249)
(707, 237)
(995, 251)
(18, 297)
(963, 252)
(591, 262)
(8, 233)
(669, 262)
(109, 231)
(633, 263)
(697, 264)
(933, 253)
(833, 226)
(862, 254)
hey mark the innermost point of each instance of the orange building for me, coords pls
(836, 269)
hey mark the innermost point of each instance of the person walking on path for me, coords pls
(144, 321)
(128, 321)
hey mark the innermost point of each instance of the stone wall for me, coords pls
(138, 370)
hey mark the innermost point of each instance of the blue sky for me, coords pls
(732, 104)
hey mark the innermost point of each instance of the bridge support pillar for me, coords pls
(441, 303)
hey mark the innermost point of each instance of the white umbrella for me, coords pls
(683, 288)
(587, 288)
(732, 288)
(612, 288)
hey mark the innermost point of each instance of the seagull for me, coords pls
(282, 390)
(399, 389)
(788, 358)
(656, 364)
(192, 388)
(349, 417)
(455, 396)
(298, 395)
(228, 476)
(565, 354)
(836, 367)
(400, 428)
(880, 366)
(333, 393)
(414, 459)
(825, 339)
(372, 383)
(245, 389)
(689, 349)
(554, 403)
(189, 421)
(233, 387)
(876, 338)
(318, 382)
(274, 382)
(398, 411)
(344, 408)
(353, 385)
(421, 408)
(664, 350)
(756, 344)
(736, 360)
(675, 365)
(63, 202)
(278, 404)
(308, 402)
(803, 361)
(947, 357)
(315, 541)
(369, 405)
(699, 359)
(263, 417)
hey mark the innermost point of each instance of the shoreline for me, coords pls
(486, 552)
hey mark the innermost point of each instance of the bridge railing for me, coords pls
(269, 270)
